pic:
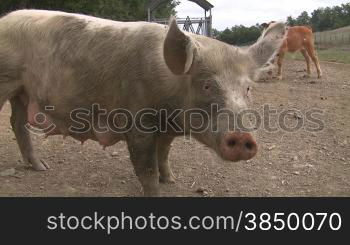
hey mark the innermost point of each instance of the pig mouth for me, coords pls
(236, 146)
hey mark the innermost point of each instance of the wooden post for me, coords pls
(205, 27)
(149, 14)
(210, 25)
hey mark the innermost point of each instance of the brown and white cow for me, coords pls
(298, 38)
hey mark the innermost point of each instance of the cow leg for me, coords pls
(279, 64)
(18, 122)
(143, 155)
(307, 59)
(312, 54)
(163, 148)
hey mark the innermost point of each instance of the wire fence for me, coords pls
(336, 37)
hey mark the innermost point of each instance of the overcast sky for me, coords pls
(228, 13)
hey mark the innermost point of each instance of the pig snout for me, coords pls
(238, 146)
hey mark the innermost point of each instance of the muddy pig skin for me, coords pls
(73, 75)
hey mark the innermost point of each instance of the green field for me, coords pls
(335, 54)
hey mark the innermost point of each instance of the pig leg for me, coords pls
(163, 148)
(143, 155)
(18, 122)
(7, 90)
(279, 63)
(270, 72)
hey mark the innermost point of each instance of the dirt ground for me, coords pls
(301, 163)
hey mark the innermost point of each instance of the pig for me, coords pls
(54, 63)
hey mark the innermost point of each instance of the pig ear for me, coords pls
(267, 46)
(264, 25)
(178, 50)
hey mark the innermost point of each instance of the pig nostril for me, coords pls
(231, 143)
(249, 146)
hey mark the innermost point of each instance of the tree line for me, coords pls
(239, 34)
(321, 19)
(126, 10)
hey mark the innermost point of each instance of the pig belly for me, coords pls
(43, 121)
(36, 118)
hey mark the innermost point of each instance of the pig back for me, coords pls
(71, 60)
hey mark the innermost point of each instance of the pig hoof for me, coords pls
(39, 165)
(150, 192)
(167, 180)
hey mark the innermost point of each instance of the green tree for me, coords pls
(326, 20)
(216, 33)
(239, 35)
(291, 21)
(330, 18)
(303, 19)
(321, 19)
(315, 19)
(339, 17)
(346, 13)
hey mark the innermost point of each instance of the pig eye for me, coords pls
(206, 87)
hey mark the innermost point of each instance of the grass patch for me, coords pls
(341, 55)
